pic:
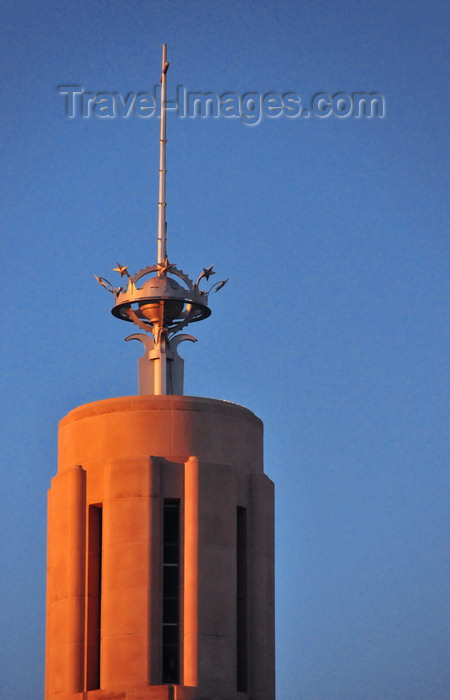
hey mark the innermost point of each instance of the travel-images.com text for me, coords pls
(250, 107)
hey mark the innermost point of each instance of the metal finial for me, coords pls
(161, 299)
(162, 226)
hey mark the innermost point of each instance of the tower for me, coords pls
(160, 526)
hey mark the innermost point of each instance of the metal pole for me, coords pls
(162, 247)
(160, 364)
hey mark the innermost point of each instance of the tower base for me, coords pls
(160, 554)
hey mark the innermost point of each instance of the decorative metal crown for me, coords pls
(160, 302)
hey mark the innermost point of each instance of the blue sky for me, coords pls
(333, 327)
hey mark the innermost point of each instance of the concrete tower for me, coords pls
(160, 527)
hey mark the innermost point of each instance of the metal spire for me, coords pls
(156, 302)
(162, 225)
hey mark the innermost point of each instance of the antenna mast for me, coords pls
(162, 225)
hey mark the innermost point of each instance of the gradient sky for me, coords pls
(333, 327)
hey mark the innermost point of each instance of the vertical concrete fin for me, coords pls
(49, 594)
(126, 573)
(261, 585)
(76, 504)
(66, 574)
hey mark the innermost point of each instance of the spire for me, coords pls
(161, 299)
(162, 225)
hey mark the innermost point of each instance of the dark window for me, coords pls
(94, 590)
(171, 592)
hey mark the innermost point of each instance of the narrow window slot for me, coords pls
(94, 590)
(171, 592)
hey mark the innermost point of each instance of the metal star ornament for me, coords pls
(207, 272)
(122, 269)
(164, 267)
